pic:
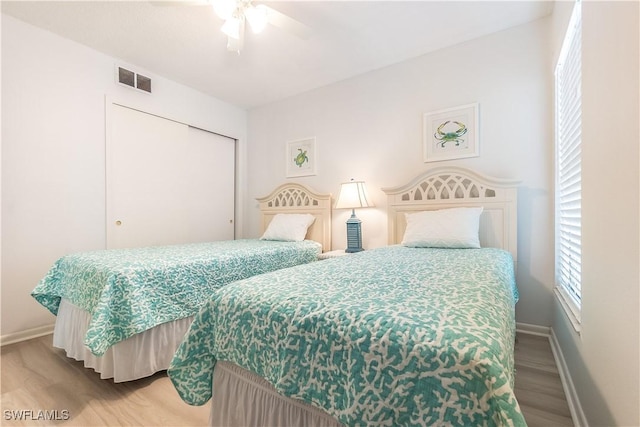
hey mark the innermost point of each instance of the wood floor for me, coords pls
(538, 387)
(36, 377)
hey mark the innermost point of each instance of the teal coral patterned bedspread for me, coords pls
(393, 336)
(128, 291)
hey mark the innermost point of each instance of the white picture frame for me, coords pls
(451, 133)
(301, 157)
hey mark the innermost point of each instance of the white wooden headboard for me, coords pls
(448, 187)
(296, 198)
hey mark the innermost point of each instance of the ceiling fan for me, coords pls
(237, 13)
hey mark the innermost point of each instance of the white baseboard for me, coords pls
(26, 335)
(577, 414)
(526, 328)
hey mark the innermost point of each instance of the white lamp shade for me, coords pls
(353, 195)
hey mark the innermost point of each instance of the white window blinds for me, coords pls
(568, 165)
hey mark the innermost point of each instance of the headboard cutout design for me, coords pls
(296, 198)
(448, 187)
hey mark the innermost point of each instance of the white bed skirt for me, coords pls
(137, 357)
(242, 398)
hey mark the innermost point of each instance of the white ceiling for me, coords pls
(184, 43)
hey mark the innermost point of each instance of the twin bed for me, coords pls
(125, 311)
(417, 333)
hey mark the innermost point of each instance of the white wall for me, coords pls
(604, 359)
(53, 153)
(370, 128)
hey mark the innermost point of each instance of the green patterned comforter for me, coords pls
(391, 336)
(128, 291)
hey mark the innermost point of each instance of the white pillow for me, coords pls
(445, 228)
(288, 227)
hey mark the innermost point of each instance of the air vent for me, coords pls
(126, 77)
(136, 81)
(143, 83)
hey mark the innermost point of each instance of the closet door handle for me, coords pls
(118, 222)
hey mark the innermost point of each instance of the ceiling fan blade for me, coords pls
(288, 24)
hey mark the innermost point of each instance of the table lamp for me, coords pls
(353, 195)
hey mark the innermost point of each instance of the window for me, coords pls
(568, 190)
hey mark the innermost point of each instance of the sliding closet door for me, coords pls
(210, 176)
(167, 183)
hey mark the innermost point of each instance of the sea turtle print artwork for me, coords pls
(301, 158)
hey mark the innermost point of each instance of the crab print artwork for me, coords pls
(453, 133)
(301, 158)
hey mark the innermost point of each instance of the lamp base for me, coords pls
(354, 234)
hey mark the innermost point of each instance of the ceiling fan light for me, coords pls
(231, 28)
(224, 8)
(257, 17)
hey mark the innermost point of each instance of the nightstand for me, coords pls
(332, 254)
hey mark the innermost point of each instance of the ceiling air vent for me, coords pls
(131, 79)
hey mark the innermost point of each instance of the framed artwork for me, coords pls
(301, 157)
(451, 133)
